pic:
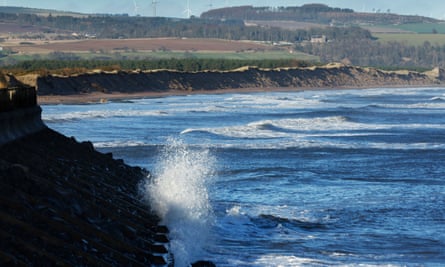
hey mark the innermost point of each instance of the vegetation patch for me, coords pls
(69, 67)
(412, 38)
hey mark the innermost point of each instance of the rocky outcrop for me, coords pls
(330, 76)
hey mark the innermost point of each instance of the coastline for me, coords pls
(103, 86)
(91, 98)
(96, 98)
(100, 86)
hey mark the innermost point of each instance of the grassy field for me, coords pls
(409, 28)
(411, 38)
(265, 55)
(161, 48)
(423, 27)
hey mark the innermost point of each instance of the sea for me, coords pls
(299, 178)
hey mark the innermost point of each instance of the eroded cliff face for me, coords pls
(330, 76)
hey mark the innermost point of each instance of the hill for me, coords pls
(313, 13)
(39, 11)
(310, 32)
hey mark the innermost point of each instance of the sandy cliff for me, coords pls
(330, 76)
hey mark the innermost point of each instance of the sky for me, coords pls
(181, 8)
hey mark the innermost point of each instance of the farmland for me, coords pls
(153, 48)
(438, 27)
(414, 39)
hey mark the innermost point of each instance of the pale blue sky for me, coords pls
(176, 8)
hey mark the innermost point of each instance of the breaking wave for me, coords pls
(179, 194)
(98, 114)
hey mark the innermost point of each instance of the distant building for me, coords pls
(319, 39)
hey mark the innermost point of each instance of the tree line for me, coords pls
(148, 27)
(316, 13)
(352, 45)
(364, 52)
(71, 66)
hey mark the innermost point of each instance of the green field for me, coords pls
(415, 27)
(411, 38)
(266, 55)
(423, 27)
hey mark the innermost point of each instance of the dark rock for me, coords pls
(64, 203)
(203, 264)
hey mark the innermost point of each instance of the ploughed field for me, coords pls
(173, 44)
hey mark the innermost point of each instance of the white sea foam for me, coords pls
(98, 114)
(287, 261)
(179, 194)
(275, 101)
(301, 129)
(119, 143)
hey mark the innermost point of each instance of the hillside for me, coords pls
(39, 11)
(313, 13)
(310, 32)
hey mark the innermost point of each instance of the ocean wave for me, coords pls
(288, 260)
(179, 193)
(99, 114)
(119, 143)
(328, 144)
(437, 98)
(206, 109)
(269, 220)
(301, 130)
(280, 128)
(241, 132)
(431, 105)
(278, 101)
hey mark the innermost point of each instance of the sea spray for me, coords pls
(179, 194)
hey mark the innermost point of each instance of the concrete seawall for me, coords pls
(18, 123)
(64, 203)
(19, 113)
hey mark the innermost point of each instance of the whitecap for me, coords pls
(288, 260)
(100, 114)
(437, 98)
(119, 143)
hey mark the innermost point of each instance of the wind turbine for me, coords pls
(188, 11)
(153, 5)
(136, 7)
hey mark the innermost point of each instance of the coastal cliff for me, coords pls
(329, 76)
(63, 203)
